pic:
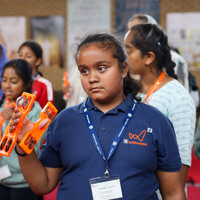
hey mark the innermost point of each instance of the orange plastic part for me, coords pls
(66, 82)
(7, 104)
(33, 136)
(8, 141)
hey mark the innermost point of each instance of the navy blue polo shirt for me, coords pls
(147, 145)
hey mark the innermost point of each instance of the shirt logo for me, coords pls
(138, 138)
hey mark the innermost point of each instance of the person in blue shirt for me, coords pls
(3, 61)
(111, 146)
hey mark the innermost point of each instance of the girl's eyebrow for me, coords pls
(97, 63)
(10, 77)
(103, 61)
(128, 46)
(81, 66)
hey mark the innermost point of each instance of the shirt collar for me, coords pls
(34, 77)
(123, 107)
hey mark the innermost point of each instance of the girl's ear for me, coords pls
(39, 61)
(150, 58)
(125, 69)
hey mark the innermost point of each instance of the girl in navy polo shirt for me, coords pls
(111, 146)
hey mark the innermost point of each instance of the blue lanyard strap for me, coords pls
(118, 135)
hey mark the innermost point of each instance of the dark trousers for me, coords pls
(8, 193)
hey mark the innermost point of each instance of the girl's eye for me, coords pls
(128, 52)
(14, 82)
(26, 56)
(102, 68)
(84, 71)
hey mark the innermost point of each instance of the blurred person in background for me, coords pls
(32, 52)
(3, 60)
(16, 79)
(75, 91)
(181, 69)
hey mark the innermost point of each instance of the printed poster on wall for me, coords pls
(125, 9)
(49, 33)
(12, 34)
(185, 36)
(84, 16)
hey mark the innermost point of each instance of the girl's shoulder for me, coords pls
(173, 87)
(149, 111)
(71, 111)
(42, 79)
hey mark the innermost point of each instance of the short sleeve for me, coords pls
(168, 154)
(49, 155)
(183, 115)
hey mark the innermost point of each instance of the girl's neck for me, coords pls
(34, 72)
(107, 106)
(147, 80)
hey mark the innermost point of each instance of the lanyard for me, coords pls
(117, 137)
(155, 86)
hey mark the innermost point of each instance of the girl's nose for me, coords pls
(7, 84)
(22, 57)
(93, 76)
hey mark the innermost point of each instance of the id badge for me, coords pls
(106, 188)
(4, 172)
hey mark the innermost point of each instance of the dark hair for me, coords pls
(149, 37)
(35, 47)
(23, 70)
(111, 42)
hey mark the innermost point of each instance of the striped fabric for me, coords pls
(176, 103)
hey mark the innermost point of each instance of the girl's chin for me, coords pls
(10, 97)
(98, 99)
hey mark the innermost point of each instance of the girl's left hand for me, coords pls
(27, 124)
(6, 113)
